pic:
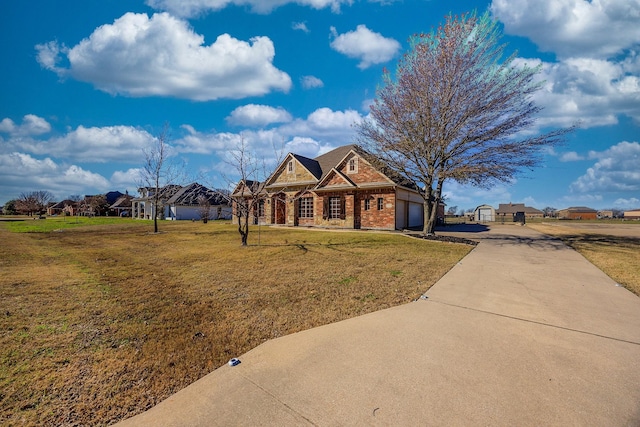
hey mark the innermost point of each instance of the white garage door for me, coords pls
(485, 215)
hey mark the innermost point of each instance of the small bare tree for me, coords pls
(158, 172)
(245, 200)
(250, 171)
(204, 208)
(456, 109)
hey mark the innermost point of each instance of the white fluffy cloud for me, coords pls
(93, 144)
(191, 8)
(310, 82)
(31, 125)
(21, 172)
(206, 143)
(302, 26)
(325, 124)
(592, 91)
(128, 179)
(615, 171)
(321, 131)
(597, 76)
(363, 44)
(258, 115)
(570, 156)
(573, 28)
(163, 56)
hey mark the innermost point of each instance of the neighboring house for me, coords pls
(112, 196)
(605, 214)
(196, 201)
(144, 207)
(344, 188)
(578, 212)
(516, 212)
(122, 206)
(484, 213)
(632, 214)
(65, 207)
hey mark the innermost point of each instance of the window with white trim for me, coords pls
(380, 203)
(352, 166)
(367, 204)
(290, 167)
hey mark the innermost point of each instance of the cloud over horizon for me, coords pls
(615, 171)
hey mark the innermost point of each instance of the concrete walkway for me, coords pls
(523, 331)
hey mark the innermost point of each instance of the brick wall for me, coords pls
(375, 218)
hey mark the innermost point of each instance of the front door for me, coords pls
(279, 209)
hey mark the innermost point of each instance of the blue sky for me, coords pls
(87, 84)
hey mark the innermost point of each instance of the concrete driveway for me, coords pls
(523, 331)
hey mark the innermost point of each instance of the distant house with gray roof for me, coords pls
(195, 202)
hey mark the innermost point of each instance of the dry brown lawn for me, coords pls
(613, 249)
(100, 323)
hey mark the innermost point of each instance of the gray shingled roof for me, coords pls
(312, 165)
(189, 195)
(329, 160)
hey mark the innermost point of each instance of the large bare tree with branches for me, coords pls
(33, 202)
(457, 108)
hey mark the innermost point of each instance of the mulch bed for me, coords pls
(449, 239)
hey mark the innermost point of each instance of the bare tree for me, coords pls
(204, 208)
(34, 202)
(247, 195)
(95, 205)
(550, 212)
(159, 172)
(456, 110)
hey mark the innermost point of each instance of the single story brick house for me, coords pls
(344, 188)
(512, 212)
(65, 207)
(578, 212)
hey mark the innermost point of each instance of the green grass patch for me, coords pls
(58, 223)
